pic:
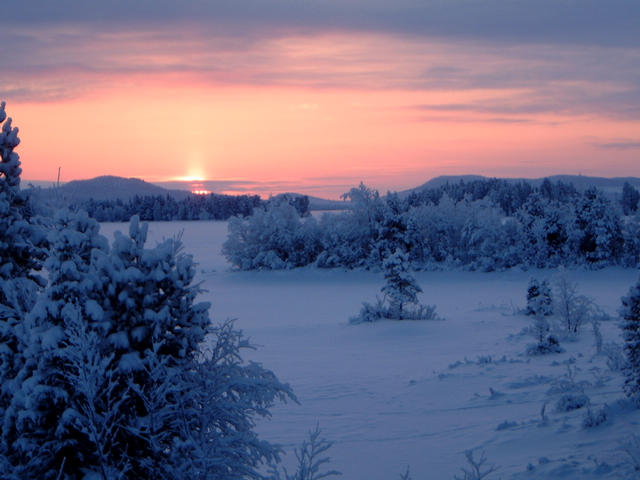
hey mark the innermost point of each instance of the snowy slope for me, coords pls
(421, 393)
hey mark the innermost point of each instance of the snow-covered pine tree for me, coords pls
(21, 256)
(188, 413)
(120, 387)
(598, 228)
(629, 200)
(37, 423)
(630, 313)
(401, 290)
(400, 300)
(539, 301)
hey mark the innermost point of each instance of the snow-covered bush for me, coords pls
(573, 309)
(545, 341)
(630, 313)
(571, 401)
(478, 469)
(116, 384)
(539, 300)
(631, 447)
(400, 300)
(593, 419)
(274, 237)
(614, 352)
(311, 460)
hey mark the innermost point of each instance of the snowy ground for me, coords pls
(421, 393)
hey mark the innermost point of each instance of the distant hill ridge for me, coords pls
(110, 187)
(580, 182)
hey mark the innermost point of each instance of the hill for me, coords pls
(609, 185)
(109, 187)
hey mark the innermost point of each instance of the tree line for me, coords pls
(485, 224)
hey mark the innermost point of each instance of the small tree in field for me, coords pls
(539, 301)
(401, 289)
(574, 309)
(400, 300)
(631, 332)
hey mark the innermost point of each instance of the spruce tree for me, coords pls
(39, 419)
(539, 301)
(21, 256)
(400, 301)
(401, 289)
(631, 333)
(116, 384)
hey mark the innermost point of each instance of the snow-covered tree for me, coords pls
(120, 387)
(598, 231)
(630, 198)
(401, 288)
(400, 295)
(546, 342)
(573, 308)
(34, 417)
(539, 301)
(630, 313)
(273, 238)
(21, 255)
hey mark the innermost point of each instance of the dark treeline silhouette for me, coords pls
(509, 196)
(195, 207)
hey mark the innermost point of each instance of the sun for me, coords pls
(190, 178)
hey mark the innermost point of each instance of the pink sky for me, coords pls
(317, 111)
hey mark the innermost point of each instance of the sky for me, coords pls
(315, 96)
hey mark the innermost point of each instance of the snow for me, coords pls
(393, 394)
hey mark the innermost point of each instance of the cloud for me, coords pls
(620, 145)
(588, 22)
(563, 57)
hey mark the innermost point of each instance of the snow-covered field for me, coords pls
(395, 394)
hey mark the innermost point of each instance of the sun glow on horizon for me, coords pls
(188, 178)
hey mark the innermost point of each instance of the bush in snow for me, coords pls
(539, 301)
(310, 459)
(631, 446)
(478, 469)
(545, 341)
(117, 386)
(574, 309)
(571, 401)
(400, 300)
(630, 313)
(593, 419)
(614, 352)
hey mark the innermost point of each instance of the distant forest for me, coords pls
(488, 224)
(166, 208)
